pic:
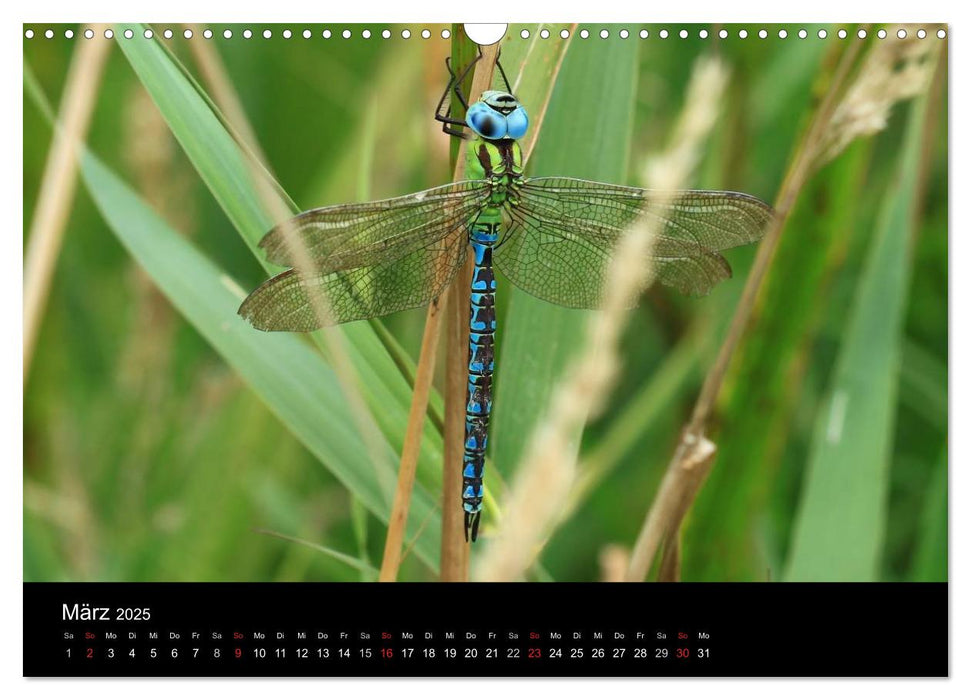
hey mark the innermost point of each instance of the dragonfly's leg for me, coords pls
(453, 132)
(456, 82)
(443, 113)
(451, 71)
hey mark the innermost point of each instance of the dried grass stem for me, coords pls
(59, 182)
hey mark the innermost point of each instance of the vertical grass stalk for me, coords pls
(398, 521)
(59, 182)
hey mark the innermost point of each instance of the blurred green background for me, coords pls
(148, 458)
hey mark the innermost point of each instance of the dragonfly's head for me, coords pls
(496, 116)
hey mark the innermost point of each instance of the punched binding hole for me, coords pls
(485, 34)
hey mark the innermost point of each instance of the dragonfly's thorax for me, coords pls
(499, 162)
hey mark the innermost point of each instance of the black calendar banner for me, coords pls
(568, 629)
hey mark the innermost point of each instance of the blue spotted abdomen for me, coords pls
(482, 331)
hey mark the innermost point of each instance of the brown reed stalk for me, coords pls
(455, 550)
(694, 455)
(398, 521)
(60, 181)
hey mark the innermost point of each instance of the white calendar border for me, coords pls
(11, 418)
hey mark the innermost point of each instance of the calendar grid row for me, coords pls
(383, 653)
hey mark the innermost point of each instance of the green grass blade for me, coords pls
(930, 559)
(463, 53)
(285, 372)
(923, 384)
(840, 524)
(227, 173)
(211, 149)
(586, 133)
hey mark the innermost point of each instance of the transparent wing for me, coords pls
(295, 302)
(358, 261)
(355, 235)
(563, 232)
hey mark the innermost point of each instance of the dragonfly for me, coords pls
(553, 237)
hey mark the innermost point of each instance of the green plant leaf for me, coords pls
(213, 152)
(292, 379)
(841, 519)
(229, 176)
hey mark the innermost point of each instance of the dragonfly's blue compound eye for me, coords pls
(516, 123)
(485, 121)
